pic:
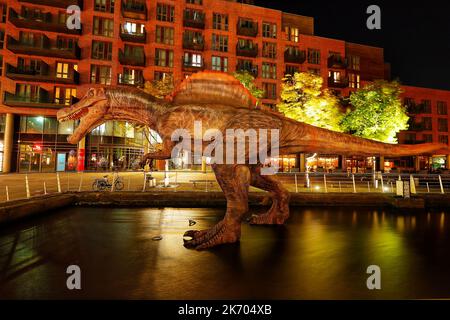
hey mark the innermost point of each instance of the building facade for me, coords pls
(47, 64)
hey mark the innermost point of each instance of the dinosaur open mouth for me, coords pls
(78, 114)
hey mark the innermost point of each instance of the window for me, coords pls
(104, 5)
(3, 8)
(354, 80)
(292, 34)
(161, 75)
(164, 35)
(32, 66)
(443, 125)
(442, 108)
(427, 124)
(269, 50)
(291, 69)
(269, 30)
(443, 139)
(62, 70)
(133, 28)
(269, 70)
(246, 44)
(2, 39)
(193, 59)
(313, 56)
(270, 91)
(219, 64)
(65, 43)
(410, 137)
(164, 58)
(103, 27)
(101, 74)
(220, 21)
(134, 51)
(28, 92)
(131, 76)
(101, 50)
(30, 124)
(426, 105)
(354, 63)
(219, 43)
(64, 95)
(1, 65)
(335, 75)
(247, 65)
(428, 138)
(165, 12)
(62, 17)
(314, 71)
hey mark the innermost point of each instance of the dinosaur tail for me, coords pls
(300, 137)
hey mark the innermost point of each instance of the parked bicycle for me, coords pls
(103, 184)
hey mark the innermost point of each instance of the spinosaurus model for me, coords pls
(221, 102)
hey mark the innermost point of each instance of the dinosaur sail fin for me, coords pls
(211, 87)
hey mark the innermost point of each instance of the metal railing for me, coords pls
(25, 186)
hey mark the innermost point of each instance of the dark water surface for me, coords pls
(320, 254)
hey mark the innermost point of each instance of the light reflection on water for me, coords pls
(321, 253)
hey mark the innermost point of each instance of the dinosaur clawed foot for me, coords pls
(273, 217)
(221, 233)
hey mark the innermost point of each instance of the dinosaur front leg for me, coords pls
(279, 212)
(234, 181)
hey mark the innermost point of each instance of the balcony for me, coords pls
(128, 80)
(42, 74)
(41, 100)
(134, 9)
(40, 21)
(196, 21)
(341, 83)
(56, 3)
(193, 66)
(247, 51)
(131, 59)
(253, 70)
(298, 57)
(196, 43)
(137, 37)
(419, 108)
(337, 61)
(247, 30)
(43, 47)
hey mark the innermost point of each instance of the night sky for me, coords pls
(416, 36)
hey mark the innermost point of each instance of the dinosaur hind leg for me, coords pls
(279, 212)
(234, 181)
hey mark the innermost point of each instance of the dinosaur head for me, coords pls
(91, 110)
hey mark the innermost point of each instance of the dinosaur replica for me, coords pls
(221, 102)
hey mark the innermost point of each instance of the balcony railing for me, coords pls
(197, 21)
(134, 9)
(138, 37)
(193, 43)
(341, 83)
(337, 61)
(43, 74)
(193, 66)
(43, 21)
(247, 30)
(295, 56)
(56, 3)
(132, 60)
(125, 79)
(253, 70)
(41, 100)
(43, 47)
(247, 51)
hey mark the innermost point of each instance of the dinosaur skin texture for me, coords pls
(220, 102)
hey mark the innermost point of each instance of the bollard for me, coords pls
(45, 188)
(428, 188)
(59, 182)
(27, 186)
(382, 183)
(354, 184)
(7, 193)
(296, 185)
(325, 183)
(442, 186)
(81, 182)
(368, 185)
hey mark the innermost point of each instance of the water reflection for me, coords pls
(319, 254)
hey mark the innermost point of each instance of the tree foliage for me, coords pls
(248, 81)
(304, 99)
(377, 112)
(160, 88)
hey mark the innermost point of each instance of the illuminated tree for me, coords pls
(377, 112)
(304, 99)
(248, 81)
(160, 88)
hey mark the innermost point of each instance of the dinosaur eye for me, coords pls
(90, 93)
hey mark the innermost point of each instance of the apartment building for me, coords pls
(45, 65)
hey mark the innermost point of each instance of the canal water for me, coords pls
(320, 254)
